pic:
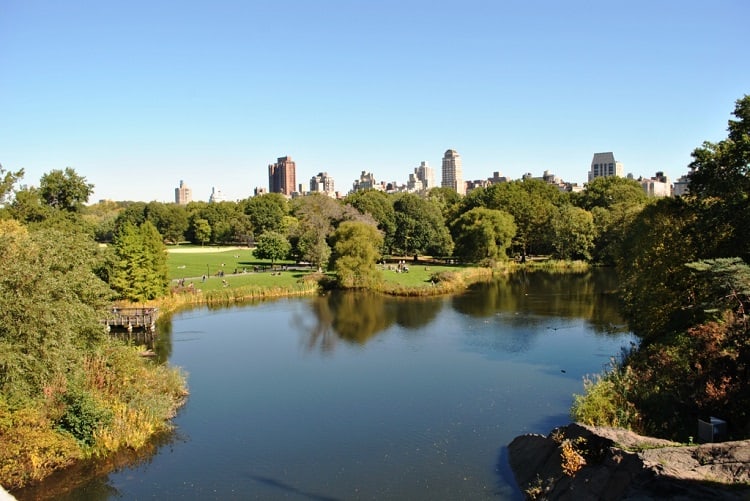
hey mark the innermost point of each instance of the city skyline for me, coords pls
(137, 96)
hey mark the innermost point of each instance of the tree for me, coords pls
(722, 169)
(531, 202)
(447, 199)
(655, 282)
(611, 190)
(7, 181)
(378, 205)
(573, 233)
(266, 212)
(272, 245)
(356, 250)
(139, 270)
(171, 220)
(65, 190)
(720, 183)
(28, 207)
(420, 227)
(201, 230)
(51, 304)
(482, 234)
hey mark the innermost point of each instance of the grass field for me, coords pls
(239, 267)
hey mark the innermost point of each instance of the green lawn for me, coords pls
(191, 263)
(238, 267)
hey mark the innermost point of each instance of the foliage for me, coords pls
(139, 269)
(27, 206)
(420, 227)
(726, 284)
(356, 251)
(610, 228)
(605, 401)
(656, 286)
(379, 205)
(688, 296)
(266, 212)
(201, 230)
(447, 199)
(272, 245)
(50, 304)
(65, 190)
(720, 185)
(609, 191)
(30, 447)
(7, 180)
(316, 215)
(531, 203)
(63, 383)
(83, 415)
(722, 169)
(483, 234)
(573, 233)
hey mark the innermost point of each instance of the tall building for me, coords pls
(216, 196)
(452, 172)
(657, 186)
(183, 195)
(422, 179)
(282, 176)
(680, 187)
(604, 164)
(367, 181)
(322, 183)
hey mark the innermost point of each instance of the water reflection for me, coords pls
(524, 299)
(528, 298)
(90, 480)
(356, 317)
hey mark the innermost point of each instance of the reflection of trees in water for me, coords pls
(358, 316)
(89, 479)
(163, 341)
(585, 295)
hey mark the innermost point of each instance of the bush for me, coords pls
(83, 416)
(605, 400)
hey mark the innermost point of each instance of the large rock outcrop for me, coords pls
(587, 463)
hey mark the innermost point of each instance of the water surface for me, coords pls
(358, 396)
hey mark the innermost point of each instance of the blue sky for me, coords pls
(138, 95)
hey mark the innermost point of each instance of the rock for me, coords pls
(581, 462)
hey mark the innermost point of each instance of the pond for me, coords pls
(358, 396)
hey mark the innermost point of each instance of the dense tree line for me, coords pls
(68, 391)
(685, 284)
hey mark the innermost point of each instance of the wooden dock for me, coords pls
(132, 319)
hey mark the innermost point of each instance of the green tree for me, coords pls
(720, 184)
(65, 190)
(611, 190)
(482, 234)
(356, 250)
(447, 199)
(201, 230)
(171, 220)
(573, 233)
(272, 245)
(139, 270)
(655, 283)
(722, 170)
(51, 304)
(420, 227)
(28, 207)
(531, 202)
(8, 179)
(380, 206)
(266, 212)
